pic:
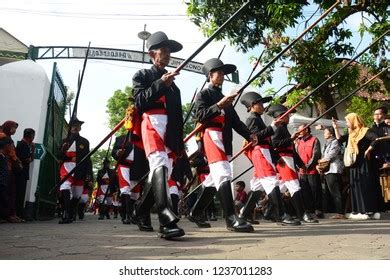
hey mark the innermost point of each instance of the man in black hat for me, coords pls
(104, 180)
(263, 158)
(157, 99)
(73, 149)
(283, 143)
(215, 110)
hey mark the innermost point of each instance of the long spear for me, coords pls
(331, 77)
(316, 119)
(216, 33)
(285, 50)
(274, 59)
(112, 132)
(79, 83)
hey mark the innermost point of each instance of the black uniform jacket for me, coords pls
(140, 165)
(206, 108)
(82, 149)
(282, 143)
(148, 88)
(263, 133)
(112, 178)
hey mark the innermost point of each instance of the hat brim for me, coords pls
(263, 100)
(76, 122)
(226, 68)
(173, 45)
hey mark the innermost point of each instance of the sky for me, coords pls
(115, 24)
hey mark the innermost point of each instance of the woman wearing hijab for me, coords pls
(357, 157)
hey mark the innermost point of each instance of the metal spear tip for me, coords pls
(144, 35)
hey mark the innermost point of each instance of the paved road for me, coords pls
(109, 239)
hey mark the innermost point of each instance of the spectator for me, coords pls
(5, 143)
(241, 196)
(25, 152)
(333, 178)
(387, 119)
(382, 150)
(309, 150)
(14, 167)
(357, 157)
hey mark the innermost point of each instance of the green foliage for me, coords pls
(116, 107)
(363, 107)
(190, 124)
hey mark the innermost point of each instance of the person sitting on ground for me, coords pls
(241, 196)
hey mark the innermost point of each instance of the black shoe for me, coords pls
(213, 218)
(144, 223)
(286, 220)
(199, 221)
(170, 231)
(233, 222)
(319, 214)
(307, 218)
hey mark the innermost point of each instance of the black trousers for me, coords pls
(334, 184)
(312, 191)
(21, 184)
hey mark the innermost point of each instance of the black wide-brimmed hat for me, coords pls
(75, 121)
(276, 110)
(217, 64)
(249, 98)
(160, 39)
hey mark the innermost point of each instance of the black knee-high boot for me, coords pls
(81, 210)
(102, 209)
(233, 222)
(128, 209)
(175, 203)
(73, 207)
(168, 220)
(197, 212)
(66, 215)
(280, 214)
(142, 210)
(246, 212)
(303, 215)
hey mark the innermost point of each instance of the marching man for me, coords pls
(217, 113)
(73, 150)
(158, 100)
(282, 141)
(263, 159)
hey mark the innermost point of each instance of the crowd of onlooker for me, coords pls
(14, 171)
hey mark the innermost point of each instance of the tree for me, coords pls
(313, 58)
(116, 107)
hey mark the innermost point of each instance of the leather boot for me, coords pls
(66, 217)
(102, 209)
(107, 212)
(303, 215)
(142, 210)
(168, 220)
(205, 196)
(280, 215)
(115, 210)
(73, 207)
(81, 208)
(122, 208)
(233, 222)
(175, 203)
(246, 212)
(128, 209)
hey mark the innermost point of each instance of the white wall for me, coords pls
(24, 91)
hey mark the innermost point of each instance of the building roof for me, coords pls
(11, 48)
